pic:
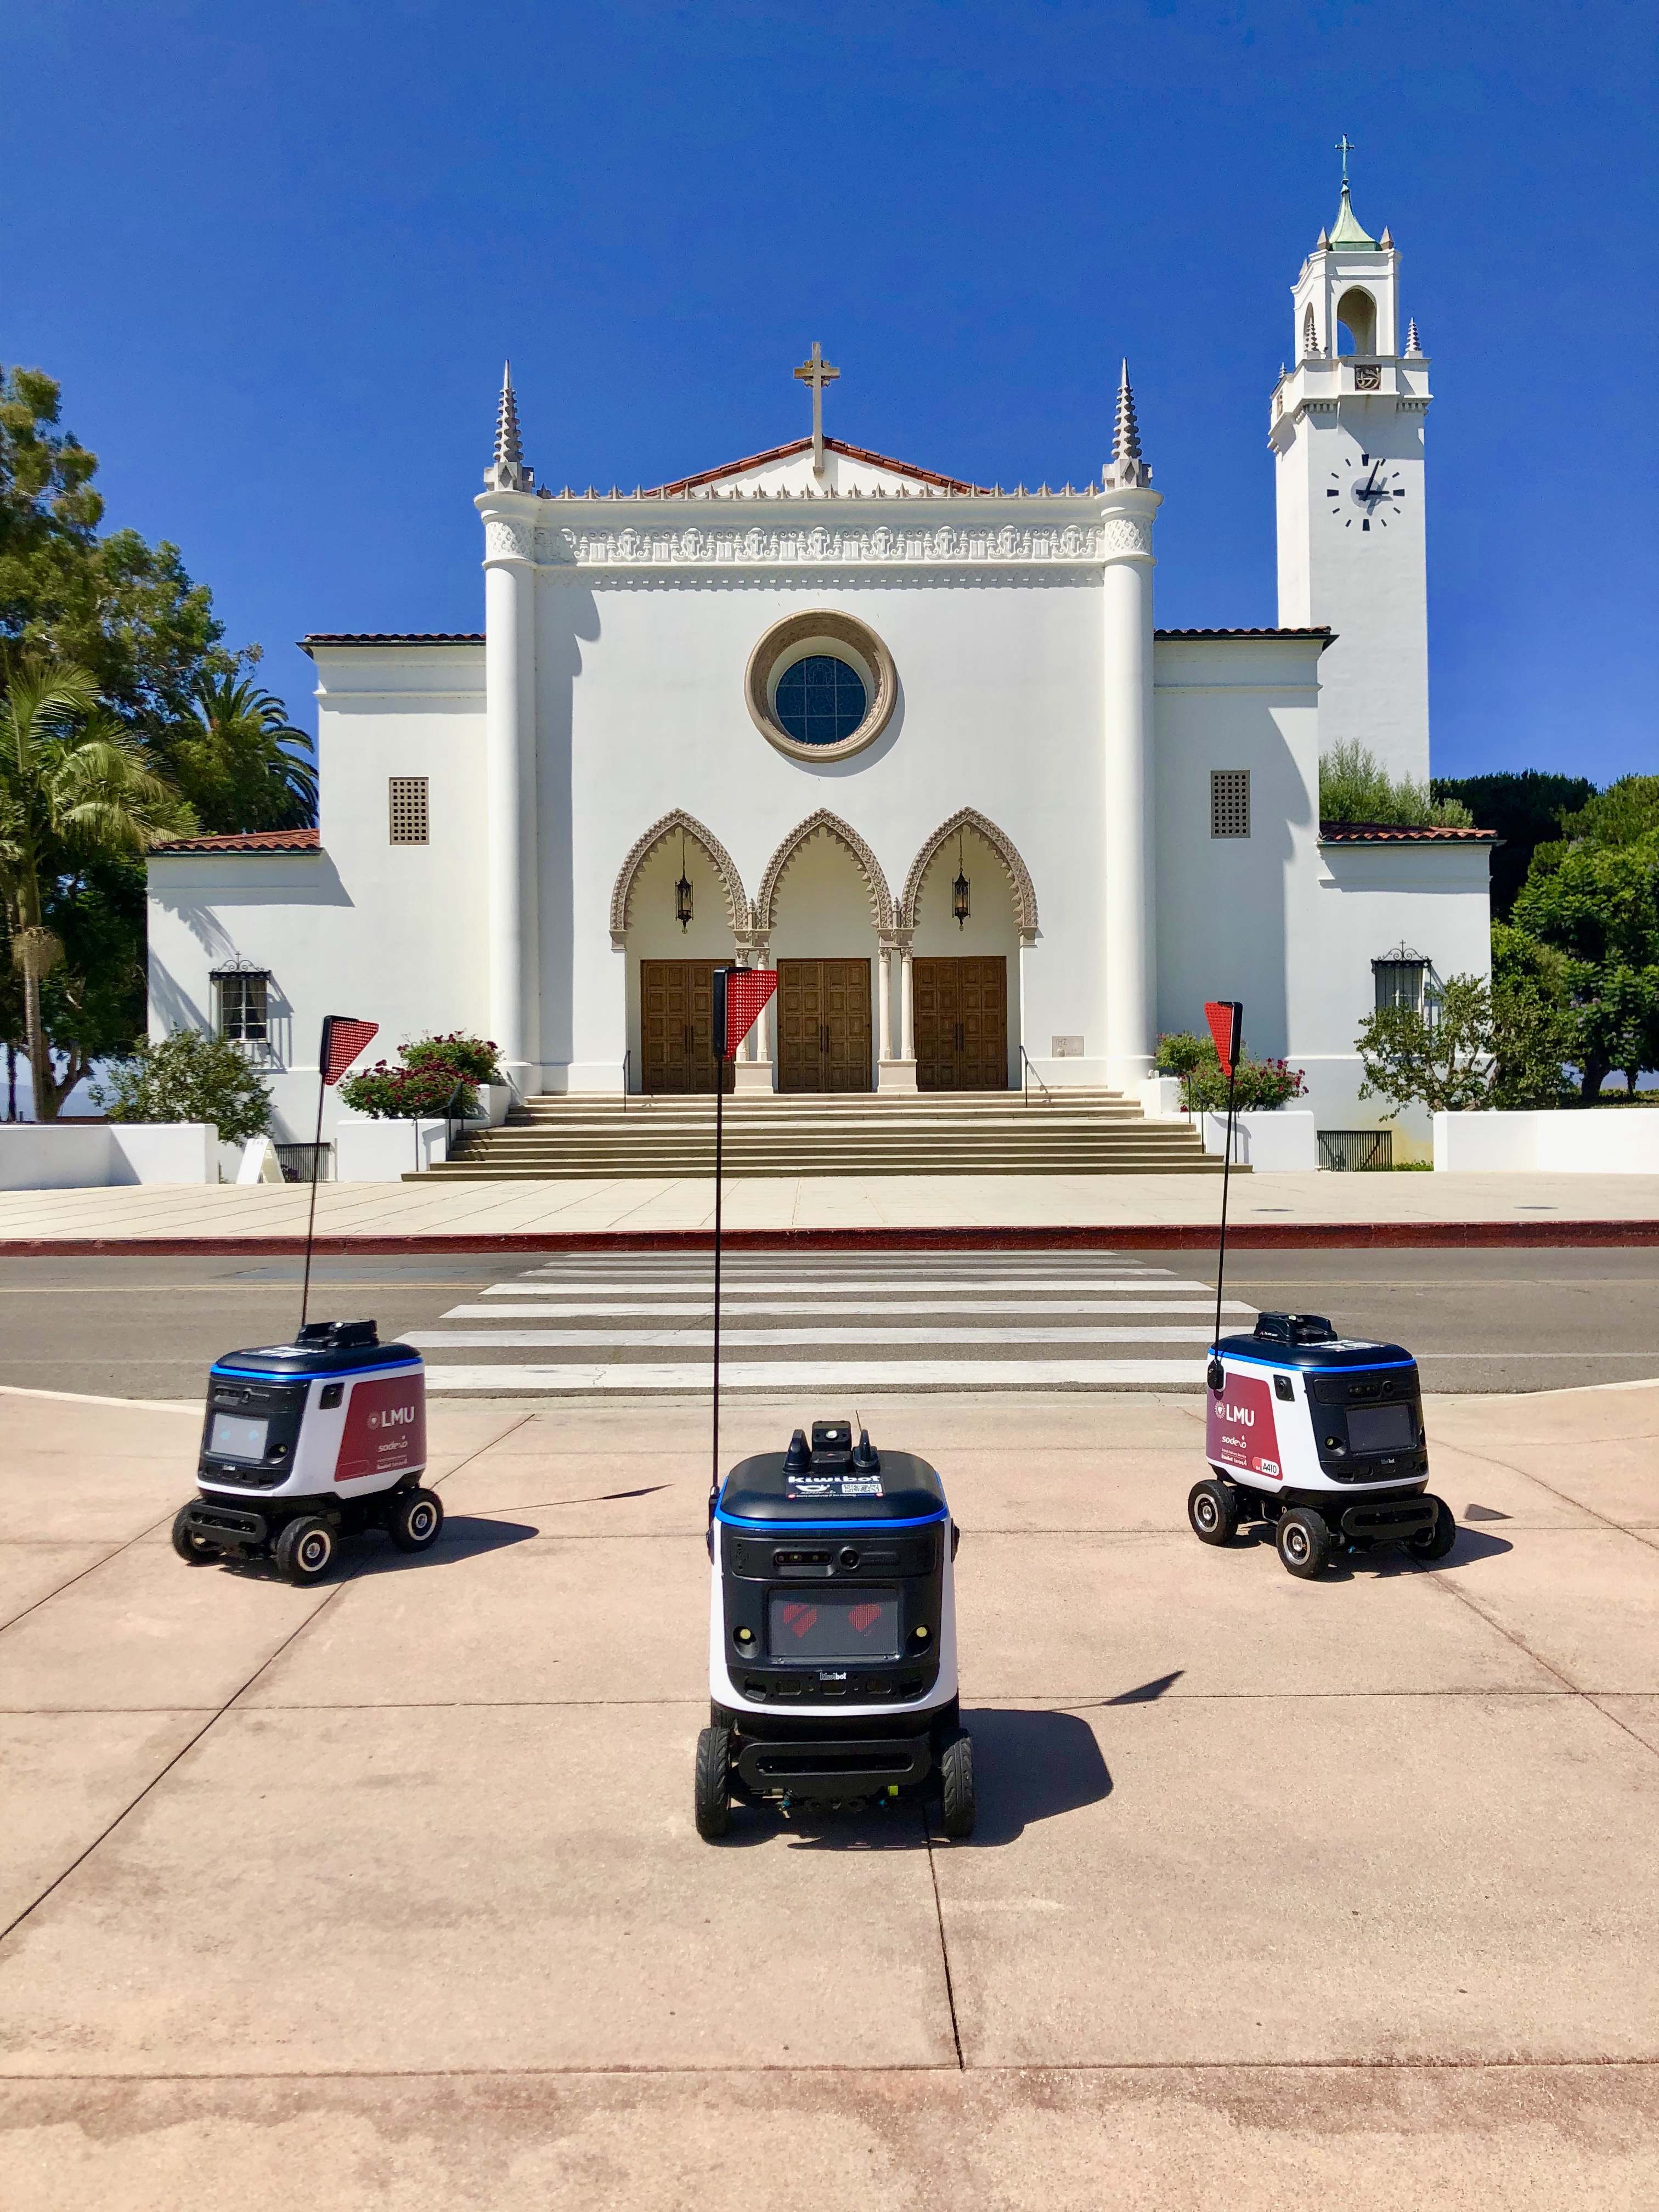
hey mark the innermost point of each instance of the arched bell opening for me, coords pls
(1355, 322)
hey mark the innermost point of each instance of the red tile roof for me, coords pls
(1392, 833)
(246, 841)
(804, 446)
(390, 637)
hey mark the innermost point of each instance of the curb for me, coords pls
(1136, 1237)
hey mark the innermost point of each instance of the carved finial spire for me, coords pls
(1126, 465)
(507, 472)
(1126, 437)
(1413, 350)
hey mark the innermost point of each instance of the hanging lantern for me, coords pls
(959, 890)
(682, 894)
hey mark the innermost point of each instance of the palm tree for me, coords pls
(75, 786)
(237, 764)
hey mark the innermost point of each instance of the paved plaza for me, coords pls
(1429, 1207)
(388, 1893)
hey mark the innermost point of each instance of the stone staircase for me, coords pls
(1077, 1131)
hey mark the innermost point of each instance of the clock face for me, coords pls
(1365, 491)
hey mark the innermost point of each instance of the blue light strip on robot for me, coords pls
(1282, 1367)
(317, 1375)
(801, 1528)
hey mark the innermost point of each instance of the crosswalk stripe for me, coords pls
(832, 1380)
(801, 1285)
(833, 1323)
(478, 1340)
(698, 1308)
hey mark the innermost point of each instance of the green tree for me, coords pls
(187, 1077)
(1592, 899)
(77, 789)
(1355, 787)
(126, 611)
(1525, 809)
(239, 761)
(1482, 1046)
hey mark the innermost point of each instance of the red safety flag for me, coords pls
(343, 1038)
(1226, 1020)
(747, 991)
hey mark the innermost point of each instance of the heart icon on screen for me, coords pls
(864, 1616)
(799, 1618)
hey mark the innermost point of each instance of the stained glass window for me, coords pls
(820, 701)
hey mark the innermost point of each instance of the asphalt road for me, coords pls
(1496, 1321)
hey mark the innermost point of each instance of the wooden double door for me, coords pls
(824, 1025)
(676, 1026)
(961, 1024)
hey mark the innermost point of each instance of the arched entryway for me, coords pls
(962, 984)
(672, 941)
(824, 919)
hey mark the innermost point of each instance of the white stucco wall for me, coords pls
(640, 709)
(392, 934)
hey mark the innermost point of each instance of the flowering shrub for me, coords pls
(472, 1059)
(439, 1075)
(1259, 1087)
(408, 1094)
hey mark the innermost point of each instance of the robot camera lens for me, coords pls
(850, 1557)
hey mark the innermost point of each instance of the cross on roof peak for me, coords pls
(1344, 146)
(815, 371)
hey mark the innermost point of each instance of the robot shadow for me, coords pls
(1472, 1545)
(463, 1537)
(371, 1553)
(1028, 1767)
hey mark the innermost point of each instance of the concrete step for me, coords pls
(1092, 1132)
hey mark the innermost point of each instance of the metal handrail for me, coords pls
(628, 1058)
(1026, 1072)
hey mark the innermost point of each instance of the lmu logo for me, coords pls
(385, 1429)
(1240, 1430)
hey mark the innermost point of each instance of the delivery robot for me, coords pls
(1320, 1436)
(306, 1443)
(832, 1634)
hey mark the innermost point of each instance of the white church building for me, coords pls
(915, 742)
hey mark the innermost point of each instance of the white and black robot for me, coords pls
(1322, 1437)
(304, 1443)
(832, 1634)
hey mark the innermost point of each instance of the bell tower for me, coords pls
(1346, 431)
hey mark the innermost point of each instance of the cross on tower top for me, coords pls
(816, 371)
(1344, 146)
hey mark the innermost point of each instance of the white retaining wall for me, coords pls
(385, 1152)
(86, 1155)
(1588, 1140)
(1265, 1142)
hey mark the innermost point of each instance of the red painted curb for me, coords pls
(1138, 1237)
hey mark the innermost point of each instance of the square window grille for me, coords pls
(244, 1009)
(1230, 802)
(410, 816)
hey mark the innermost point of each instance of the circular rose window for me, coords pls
(820, 686)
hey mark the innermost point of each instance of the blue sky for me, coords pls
(275, 253)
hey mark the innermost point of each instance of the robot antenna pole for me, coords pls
(719, 1104)
(1226, 1172)
(316, 1157)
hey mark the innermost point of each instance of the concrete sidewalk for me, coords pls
(1351, 1208)
(388, 1893)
